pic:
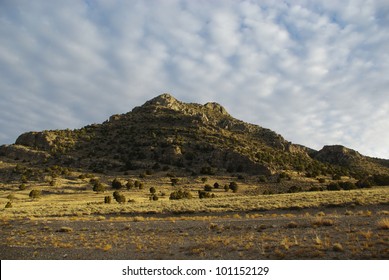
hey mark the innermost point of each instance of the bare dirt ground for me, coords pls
(319, 233)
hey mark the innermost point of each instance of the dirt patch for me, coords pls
(323, 233)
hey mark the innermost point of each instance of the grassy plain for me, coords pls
(71, 221)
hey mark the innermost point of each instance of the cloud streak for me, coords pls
(315, 73)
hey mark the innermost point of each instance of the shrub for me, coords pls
(365, 183)
(22, 187)
(226, 188)
(35, 193)
(208, 188)
(207, 170)
(108, 199)
(234, 187)
(8, 205)
(204, 179)
(322, 180)
(216, 185)
(130, 185)
(333, 187)
(174, 181)
(152, 190)
(116, 184)
(98, 187)
(180, 194)
(347, 185)
(205, 194)
(154, 197)
(119, 197)
(294, 189)
(262, 178)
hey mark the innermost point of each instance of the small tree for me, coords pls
(108, 199)
(216, 185)
(116, 184)
(234, 187)
(152, 190)
(35, 193)
(98, 187)
(119, 197)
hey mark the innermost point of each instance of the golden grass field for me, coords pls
(71, 221)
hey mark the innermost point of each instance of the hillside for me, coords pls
(187, 136)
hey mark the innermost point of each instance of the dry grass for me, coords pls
(383, 223)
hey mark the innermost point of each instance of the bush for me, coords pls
(216, 185)
(152, 190)
(35, 193)
(205, 194)
(234, 187)
(98, 187)
(226, 188)
(347, 185)
(207, 170)
(108, 199)
(22, 187)
(154, 197)
(174, 181)
(365, 183)
(119, 197)
(130, 185)
(294, 189)
(116, 184)
(8, 205)
(208, 188)
(180, 194)
(333, 187)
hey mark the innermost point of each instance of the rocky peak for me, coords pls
(164, 100)
(216, 107)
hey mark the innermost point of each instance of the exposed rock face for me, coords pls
(23, 153)
(36, 140)
(338, 154)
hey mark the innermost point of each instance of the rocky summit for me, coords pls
(190, 137)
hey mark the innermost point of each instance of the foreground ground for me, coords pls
(357, 232)
(260, 220)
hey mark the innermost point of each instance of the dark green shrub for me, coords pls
(294, 189)
(207, 170)
(234, 187)
(365, 183)
(205, 194)
(208, 188)
(22, 187)
(116, 184)
(381, 179)
(98, 187)
(322, 180)
(154, 197)
(119, 197)
(226, 188)
(347, 185)
(262, 178)
(108, 199)
(35, 193)
(216, 185)
(180, 194)
(8, 205)
(152, 190)
(130, 185)
(333, 187)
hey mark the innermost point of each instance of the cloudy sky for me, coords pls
(316, 72)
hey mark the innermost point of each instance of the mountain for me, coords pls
(188, 136)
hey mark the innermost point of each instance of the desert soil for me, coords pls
(321, 233)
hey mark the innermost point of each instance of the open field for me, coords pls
(71, 221)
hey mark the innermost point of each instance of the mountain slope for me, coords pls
(194, 137)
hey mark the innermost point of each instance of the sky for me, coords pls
(316, 72)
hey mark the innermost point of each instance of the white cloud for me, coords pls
(315, 72)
